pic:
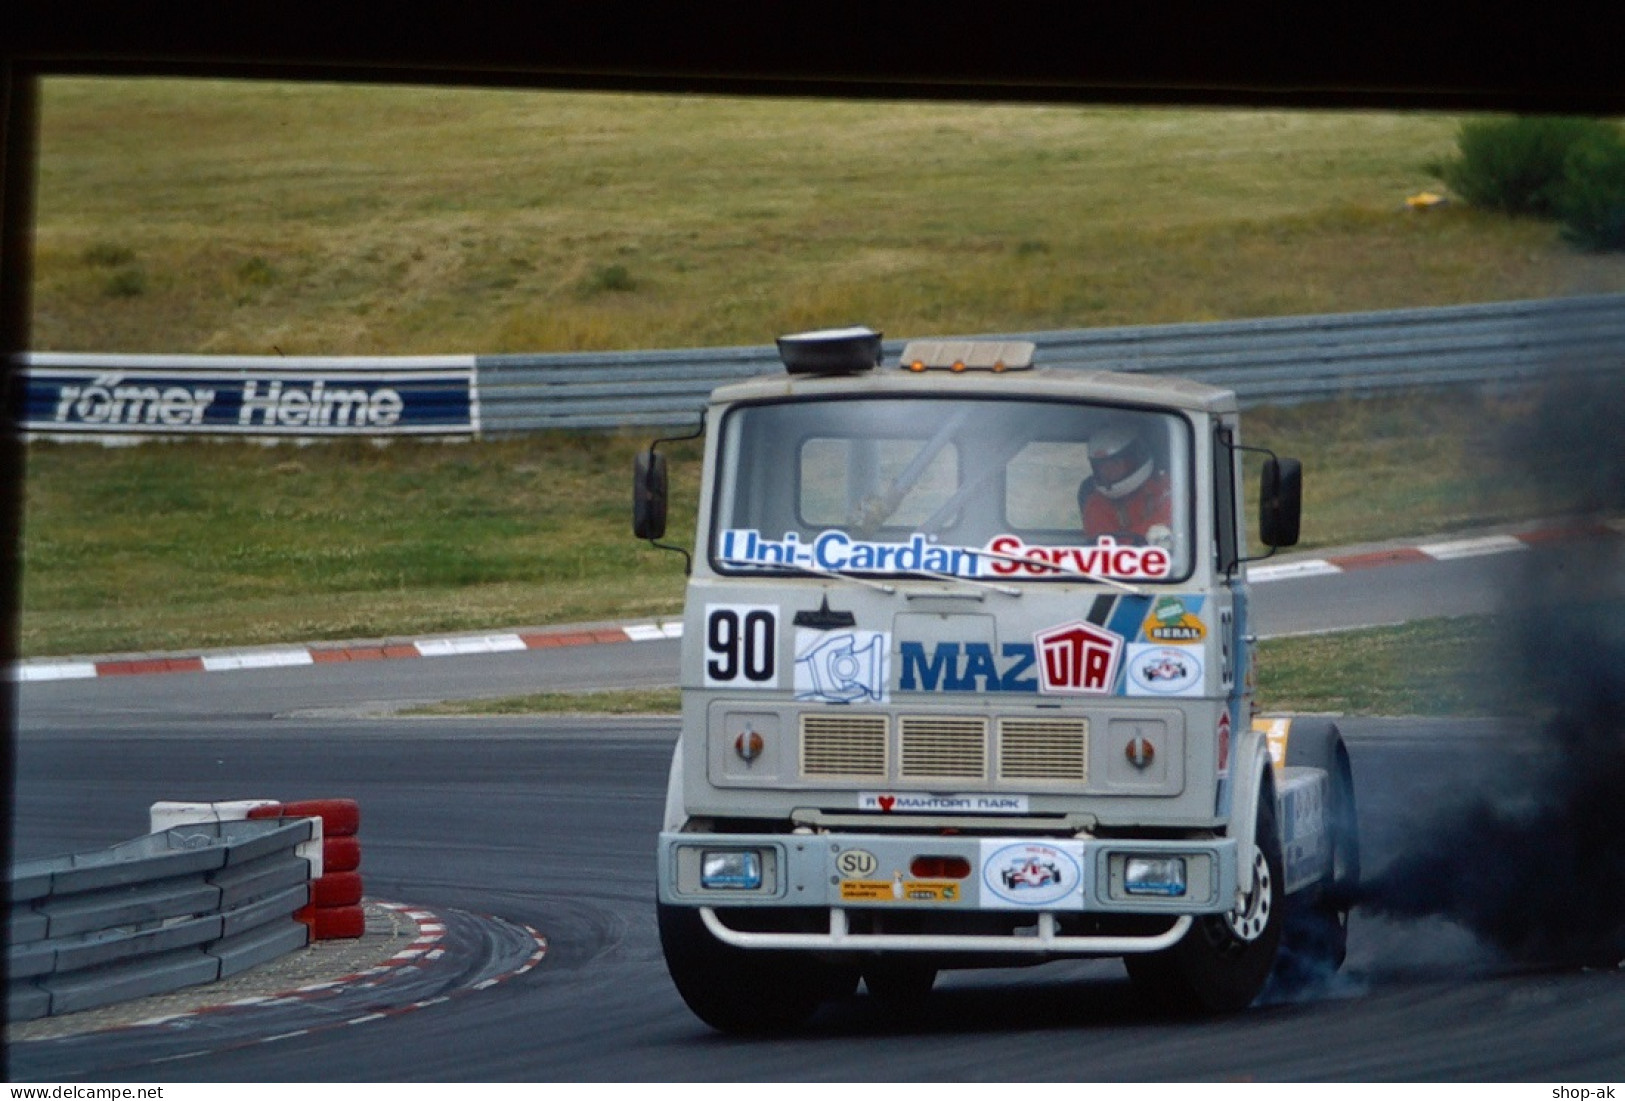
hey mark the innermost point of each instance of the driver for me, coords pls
(1126, 496)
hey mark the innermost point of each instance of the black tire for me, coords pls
(899, 982)
(1223, 962)
(1315, 939)
(744, 990)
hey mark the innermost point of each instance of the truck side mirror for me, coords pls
(649, 494)
(1280, 502)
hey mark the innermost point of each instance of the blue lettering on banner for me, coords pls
(966, 667)
(249, 401)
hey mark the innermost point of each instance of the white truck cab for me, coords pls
(966, 683)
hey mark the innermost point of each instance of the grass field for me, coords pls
(168, 546)
(208, 216)
(178, 216)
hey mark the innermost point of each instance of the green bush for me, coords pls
(1517, 165)
(1592, 200)
(613, 279)
(126, 283)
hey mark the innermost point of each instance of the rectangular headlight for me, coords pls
(731, 870)
(1163, 876)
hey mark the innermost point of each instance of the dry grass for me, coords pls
(314, 219)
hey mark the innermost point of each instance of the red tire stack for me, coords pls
(334, 911)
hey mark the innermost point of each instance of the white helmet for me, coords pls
(1119, 461)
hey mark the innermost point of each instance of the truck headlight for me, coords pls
(731, 870)
(1163, 876)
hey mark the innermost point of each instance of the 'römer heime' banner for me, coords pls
(249, 395)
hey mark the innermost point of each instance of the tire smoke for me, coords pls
(1542, 876)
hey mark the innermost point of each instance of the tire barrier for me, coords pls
(188, 904)
(334, 911)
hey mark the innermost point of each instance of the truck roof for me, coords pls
(1046, 382)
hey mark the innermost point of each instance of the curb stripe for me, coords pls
(1471, 548)
(1374, 559)
(1315, 567)
(260, 659)
(489, 644)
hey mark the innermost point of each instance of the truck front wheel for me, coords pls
(1221, 965)
(744, 990)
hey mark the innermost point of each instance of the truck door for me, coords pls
(1229, 623)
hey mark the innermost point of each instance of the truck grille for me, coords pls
(962, 748)
(843, 745)
(936, 747)
(1044, 749)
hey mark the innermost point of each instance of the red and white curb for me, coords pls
(47, 670)
(425, 948)
(44, 669)
(1444, 551)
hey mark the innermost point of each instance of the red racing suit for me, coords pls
(1129, 518)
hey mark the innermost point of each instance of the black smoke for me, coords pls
(1535, 864)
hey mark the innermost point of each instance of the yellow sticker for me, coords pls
(866, 890)
(899, 890)
(931, 892)
(1275, 732)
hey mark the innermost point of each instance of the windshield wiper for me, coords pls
(1001, 589)
(810, 571)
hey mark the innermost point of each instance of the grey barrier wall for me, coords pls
(1266, 361)
(187, 905)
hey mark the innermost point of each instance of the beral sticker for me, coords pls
(1172, 623)
(1031, 874)
(1163, 671)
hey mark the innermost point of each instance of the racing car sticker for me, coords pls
(1032, 874)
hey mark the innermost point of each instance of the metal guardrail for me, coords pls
(1266, 361)
(187, 905)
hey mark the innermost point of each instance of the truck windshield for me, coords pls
(999, 489)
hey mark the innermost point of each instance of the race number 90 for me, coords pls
(740, 645)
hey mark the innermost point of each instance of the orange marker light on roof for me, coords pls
(959, 356)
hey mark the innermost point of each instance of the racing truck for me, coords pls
(966, 682)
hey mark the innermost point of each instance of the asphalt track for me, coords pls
(501, 826)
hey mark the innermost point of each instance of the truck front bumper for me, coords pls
(1049, 879)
